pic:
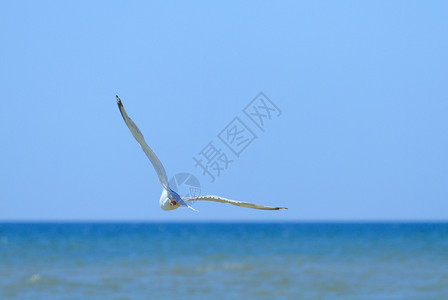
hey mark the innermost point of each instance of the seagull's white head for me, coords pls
(167, 201)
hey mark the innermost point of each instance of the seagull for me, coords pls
(170, 200)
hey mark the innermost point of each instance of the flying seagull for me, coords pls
(169, 199)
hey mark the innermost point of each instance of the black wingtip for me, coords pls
(118, 100)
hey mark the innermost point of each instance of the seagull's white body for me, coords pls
(169, 199)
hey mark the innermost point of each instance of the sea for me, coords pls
(329, 260)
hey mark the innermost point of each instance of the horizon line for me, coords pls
(329, 221)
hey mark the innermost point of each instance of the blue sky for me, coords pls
(362, 89)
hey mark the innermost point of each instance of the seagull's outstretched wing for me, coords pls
(233, 202)
(141, 140)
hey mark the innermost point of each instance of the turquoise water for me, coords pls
(224, 261)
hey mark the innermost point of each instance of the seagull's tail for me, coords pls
(192, 208)
(182, 202)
